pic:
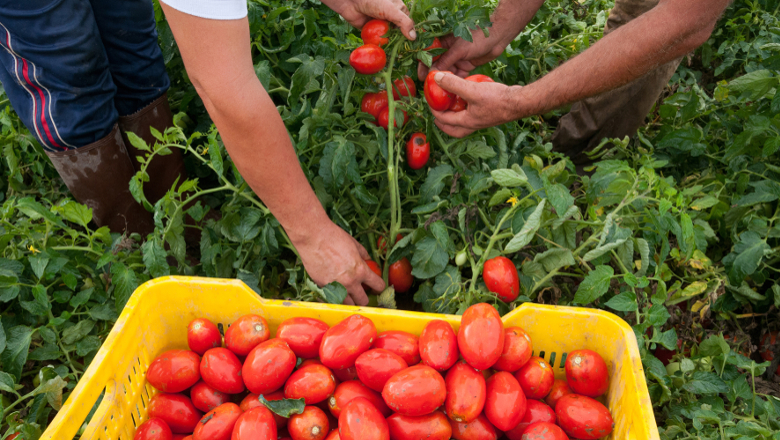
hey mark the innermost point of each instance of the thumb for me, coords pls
(454, 84)
(404, 23)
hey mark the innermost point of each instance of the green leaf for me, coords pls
(658, 315)
(526, 234)
(669, 339)
(555, 258)
(103, 312)
(644, 253)
(284, 407)
(3, 339)
(754, 85)
(601, 250)
(500, 196)
(509, 178)
(447, 282)
(154, 257)
(334, 293)
(125, 282)
(595, 285)
(7, 382)
(559, 198)
(75, 333)
(76, 212)
(745, 257)
(81, 297)
(713, 346)
(17, 347)
(624, 302)
(430, 255)
(38, 264)
(88, 345)
(704, 382)
(338, 164)
(215, 156)
(434, 183)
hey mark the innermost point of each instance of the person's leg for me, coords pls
(55, 72)
(129, 35)
(617, 113)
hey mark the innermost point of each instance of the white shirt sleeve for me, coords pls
(213, 9)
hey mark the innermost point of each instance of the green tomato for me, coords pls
(461, 258)
(672, 368)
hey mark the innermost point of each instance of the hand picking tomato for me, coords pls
(176, 410)
(174, 371)
(517, 350)
(313, 383)
(587, 373)
(368, 59)
(404, 87)
(376, 366)
(460, 104)
(255, 424)
(246, 333)
(535, 412)
(252, 401)
(536, 377)
(559, 389)
(418, 150)
(374, 103)
(373, 30)
(346, 391)
(415, 391)
(439, 345)
(345, 341)
(437, 98)
(152, 429)
(544, 431)
(268, 366)
(312, 424)
(478, 429)
(221, 370)
(501, 278)
(401, 343)
(202, 334)
(360, 420)
(206, 398)
(505, 405)
(381, 243)
(384, 118)
(435, 45)
(303, 335)
(481, 336)
(400, 275)
(434, 426)
(583, 417)
(466, 393)
(218, 423)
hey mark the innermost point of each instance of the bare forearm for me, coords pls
(511, 17)
(627, 53)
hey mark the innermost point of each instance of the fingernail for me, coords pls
(413, 34)
(438, 76)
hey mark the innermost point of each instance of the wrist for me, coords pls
(520, 104)
(307, 224)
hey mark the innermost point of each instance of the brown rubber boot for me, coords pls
(163, 170)
(98, 176)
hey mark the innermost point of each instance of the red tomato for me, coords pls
(373, 30)
(435, 45)
(351, 389)
(481, 336)
(384, 118)
(374, 268)
(458, 104)
(768, 340)
(360, 420)
(221, 370)
(559, 389)
(345, 341)
(176, 410)
(536, 377)
(418, 150)
(466, 393)
(308, 362)
(478, 429)
(381, 243)
(415, 391)
(345, 374)
(334, 435)
(313, 383)
(439, 345)
(255, 424)
(535, 412)
(206, 398)
(544, 431)
(583, 417)
(376, 366)
(268, 366)
(437, 98)
(434, 426)
(400, 275)
(302, 335)
(501, 278)
(312, 424)
(246, 333)
(374, 103)
(517, 350)
(173, 437)
(404, 87)
(251, 401)
(368, 59)
(505, 404)
(174, 371)
(401, 343)
(152, 429)
(16, 434)
(202, 334)
(587, 373)
(665, 355)
(218, 423)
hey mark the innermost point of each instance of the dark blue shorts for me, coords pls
(72, 67)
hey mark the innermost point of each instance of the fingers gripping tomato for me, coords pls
(374, 103)
(459, 104)
(418, 150)
(303, 335)
(401, 343)
(437, 98)
(368, 59)
(373, 31)
(400, 275)
(246, 333)
(404, 87)
(481, 336)
(152, 429)
(202, 334)
(384, 118)
(587, 373)
(501, 278)
(174, 371)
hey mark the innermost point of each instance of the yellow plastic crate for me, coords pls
(156, 317)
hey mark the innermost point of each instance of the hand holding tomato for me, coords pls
(359, 12)
(462, 57)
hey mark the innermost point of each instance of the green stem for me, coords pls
(392, 177)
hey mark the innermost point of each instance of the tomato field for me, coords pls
(677, 230)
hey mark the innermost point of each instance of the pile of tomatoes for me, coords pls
(477, 384)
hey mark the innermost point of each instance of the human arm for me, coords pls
(218, 60)
(666, 32)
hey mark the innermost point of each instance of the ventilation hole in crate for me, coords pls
(132, 416)
(563, 359)
(552, 359)
(221, 328)
(541, 354)
(134, 370)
